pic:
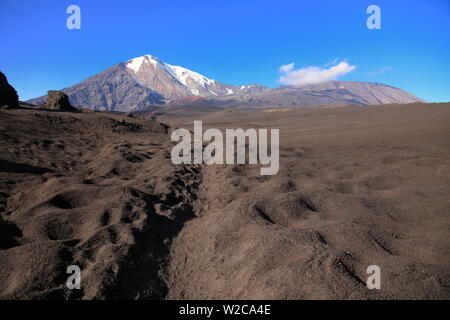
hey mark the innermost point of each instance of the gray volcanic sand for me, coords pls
(90, 190)
(357, 186)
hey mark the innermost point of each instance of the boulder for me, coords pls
(8, 95)
(57, 100)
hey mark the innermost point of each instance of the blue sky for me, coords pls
(235, 42)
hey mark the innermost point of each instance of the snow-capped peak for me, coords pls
(174, 81)
(136, 63)
(180, 73)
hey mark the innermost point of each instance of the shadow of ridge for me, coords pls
(8, 166)
(74, 110)
(8, 234)
(140, 272)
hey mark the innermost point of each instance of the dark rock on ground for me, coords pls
(58, 100)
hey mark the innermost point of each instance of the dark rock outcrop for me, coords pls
(8, 95)
(57, 100)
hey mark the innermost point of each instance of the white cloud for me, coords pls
(287, 67)
(312, 74)
(381, 71)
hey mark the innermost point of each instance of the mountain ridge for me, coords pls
(147, 80)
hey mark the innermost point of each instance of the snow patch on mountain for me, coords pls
(136, 63)
(183, 74)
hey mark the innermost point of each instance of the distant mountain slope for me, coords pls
(147, 80)
(113, 90)
(328, 93)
